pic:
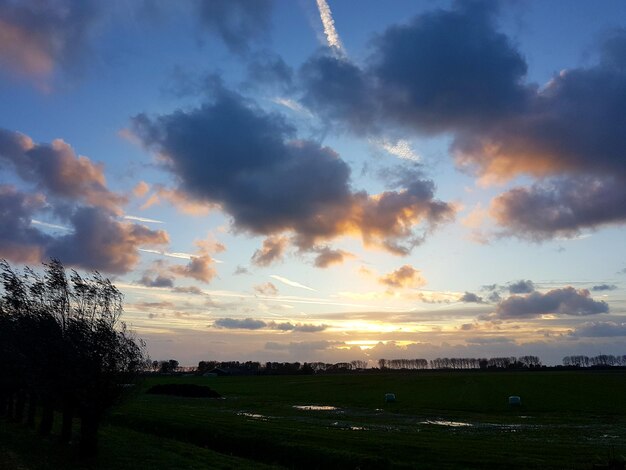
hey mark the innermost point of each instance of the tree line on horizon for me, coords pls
(527, 362)
(63, 348)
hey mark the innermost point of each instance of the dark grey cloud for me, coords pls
(272, 183)
(444, 70)
(239, 23)
(448, 70)
(252, 324)
(339, 91)
(521, 287)
(96, 239)
(39, 36)
(244, 324)
(564, 301)
(99, 241)
(470, 297)
(19, 240)
(452, 71)
(562, 207)
(600, 329)
(574, 124)
(298, 327)
(156, 281)
(603, 287)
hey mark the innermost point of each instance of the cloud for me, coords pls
(467, 75)
(37, 37)
(297, 327)
(142, 219)
(560, 208)
(97, 240)
(239, 23)
(241, 270)
(340, 92)
(447, 70)
(470, 297)
(603, 287)
(272, 250)
(101, 242)
(178, 199)
(189, 290)
(272, 183)
(157, 281)
(404, 277)
(600, 330)
(329, 26)
(570, 135)
(571, 125)
(303, 347)
(266, 289)
(141, 189)
(252, 324)
(201, 268)
(57, 170)
(234, 324)
(521, 287)
(326, 257)
(483, 340)
(564, 301)
(19, 240)
(470, 83)
(270, 70)
(291, 283)
(400, 148)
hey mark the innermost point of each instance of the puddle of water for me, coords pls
(253, 416)
(450, 424)
(315, 407)
(348, 427)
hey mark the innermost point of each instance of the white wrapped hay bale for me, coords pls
(514, 400)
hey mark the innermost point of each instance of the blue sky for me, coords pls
(312, 180)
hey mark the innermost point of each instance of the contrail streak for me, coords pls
(329, 26)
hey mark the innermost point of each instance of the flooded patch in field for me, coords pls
(254, 416)
(348, 427)
(316, 407)
(450, 424)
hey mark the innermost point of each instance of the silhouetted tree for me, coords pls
(63, 346)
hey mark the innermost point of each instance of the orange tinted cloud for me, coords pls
(404, 277)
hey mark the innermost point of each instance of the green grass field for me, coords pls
(568, 420)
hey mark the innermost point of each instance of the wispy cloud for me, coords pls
(292, 104)
(291, 283)
(143, 219)
(178, 255)
(48, 225)
(400, 148)
(329, 26)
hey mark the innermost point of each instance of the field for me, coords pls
(567, 420)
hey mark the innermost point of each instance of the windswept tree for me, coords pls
(63, 347)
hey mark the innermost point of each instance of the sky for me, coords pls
(319, 180)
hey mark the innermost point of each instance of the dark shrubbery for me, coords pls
(184, 390)
(63, 347)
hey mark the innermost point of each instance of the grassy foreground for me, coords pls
(568, 420)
